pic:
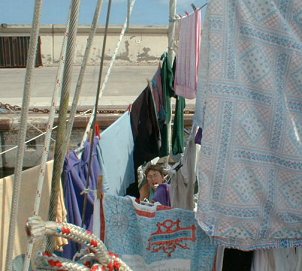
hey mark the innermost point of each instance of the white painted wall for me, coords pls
(139, 45)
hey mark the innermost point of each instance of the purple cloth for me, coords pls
(162, 194)
(198, 136)
(75, 180)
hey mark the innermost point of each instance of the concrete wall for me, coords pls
(139, 45)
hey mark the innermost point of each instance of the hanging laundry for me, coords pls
(155, 237)
(249, 105)
(145, 129)
(183, 181)
(116, 156)
(236, 260)
(219, 259)
(178, 140)
(159, 99)
(167, 77)
(75, 181)
(188, 55)
(27, 196)
(280, 259)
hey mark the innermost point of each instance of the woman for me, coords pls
(155, 189)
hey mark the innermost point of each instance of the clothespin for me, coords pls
(97, 130)
(86, 191)
(187, 13)
(100, 189)
(146, 202)
(129, 108)
(193, 6)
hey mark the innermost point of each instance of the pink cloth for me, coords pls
(187, 59)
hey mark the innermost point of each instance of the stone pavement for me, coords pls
(124, 85)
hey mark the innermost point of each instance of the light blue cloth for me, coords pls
(249, 105)
(116, 146)
(156, 238)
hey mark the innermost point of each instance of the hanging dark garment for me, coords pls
(178, 126)
(158, 95)
(146, 134)
(237, 260)
(167, 77)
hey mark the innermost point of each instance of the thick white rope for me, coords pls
(93, 29)
(66, 85)
(107, 74)
(22, 132)
(45, 152)
(37, 228)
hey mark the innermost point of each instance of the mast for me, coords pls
(171, 54)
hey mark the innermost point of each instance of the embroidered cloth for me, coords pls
(249, 105)
(157, 237)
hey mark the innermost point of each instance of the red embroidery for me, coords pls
(163, 208)
(169, 236)
(145, 213)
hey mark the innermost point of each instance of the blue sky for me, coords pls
(145, 12)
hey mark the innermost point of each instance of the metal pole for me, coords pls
(95, 112)
(171, 54)
(171, 30)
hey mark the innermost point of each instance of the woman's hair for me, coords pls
(154, 168)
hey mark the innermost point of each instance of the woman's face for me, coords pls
(154, 178)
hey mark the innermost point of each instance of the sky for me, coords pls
(145, 12)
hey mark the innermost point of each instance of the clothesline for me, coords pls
(43, 133)
(179, 17)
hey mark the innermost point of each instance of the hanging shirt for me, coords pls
(178, 140)
(183, 181)
(116, 156)
(75, 180)
(162, 195)
(288, 259)
(188, 54)
(249, 107)
(155, 238)
(145, 129)
(167, 77)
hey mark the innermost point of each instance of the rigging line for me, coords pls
(95, 112)
(22, 132)
(107, 75)
(60, 136)
(203, 5)
(43, 133)
(90, 39)
(47, 139)
(30, 124)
